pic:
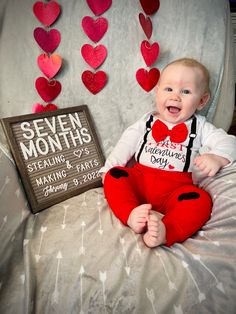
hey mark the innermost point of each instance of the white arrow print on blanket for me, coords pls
(201, 296)
(171, 284)
(82, 248)
(4, 221)
(42, 230)
(7, 180)
(55, 295)
(127, 268)
(63, 225)
(151, 298)
(103, 278)
(219, 285)
(81, 273)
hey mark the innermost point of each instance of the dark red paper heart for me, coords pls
(94, 29)
(94, 56)
(99, 6)
(150, 6)
(46, 13)
(48, 90)
(146, 24)
(148, 79)
(41, 108)
(94, 81)
(47, 41)
(149, 52)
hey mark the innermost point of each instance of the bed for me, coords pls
(75, 256)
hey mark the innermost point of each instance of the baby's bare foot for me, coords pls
(138, 218)
(156, 231)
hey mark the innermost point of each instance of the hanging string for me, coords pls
(148, 78)
(48, 62)
(95, 28)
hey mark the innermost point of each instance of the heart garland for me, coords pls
(98, 7)
(150, 6)
(47, 41)
(148, 79)
(48, 90)
(49, 64)
(40, 108)
(47, 14)
(149, 52)
(94, 81)
(95, 29)
(94, 56)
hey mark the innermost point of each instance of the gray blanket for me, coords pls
(76, 257)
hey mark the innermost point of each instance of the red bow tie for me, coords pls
(177, 135)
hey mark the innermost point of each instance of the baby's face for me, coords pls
(180, 93)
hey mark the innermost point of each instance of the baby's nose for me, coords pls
(175, 96)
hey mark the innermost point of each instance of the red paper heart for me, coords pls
(149, 52)
(40, 108)
(94, 56)
(47, 41)
(147, 79)
(49, 65)
(150, 6)
(46, 13)
(48, 90)
(94, 81)
(99, 6)
(146, 24)
(171, 167)
(94, 29)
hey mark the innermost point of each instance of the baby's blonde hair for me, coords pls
(192, 63)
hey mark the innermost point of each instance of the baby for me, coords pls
(157, 197)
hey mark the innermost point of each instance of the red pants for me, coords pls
(185, 207)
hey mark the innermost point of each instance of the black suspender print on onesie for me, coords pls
(148, 129)
(192, 136)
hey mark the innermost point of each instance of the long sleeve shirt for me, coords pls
(138, 141)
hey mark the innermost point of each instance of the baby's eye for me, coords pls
(186, 91)
(168, 89)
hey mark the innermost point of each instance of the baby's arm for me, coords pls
(209, 164)
(218, 149)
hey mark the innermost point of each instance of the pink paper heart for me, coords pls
(99, 6)
(48, 90)
(94, 82)
(94, 29)
(47, 41)
(146, 24)
(149, 52)
(150, 6)
(49, 65)
(46, 13)
(148, 79)
(94, 56)
(40, 108)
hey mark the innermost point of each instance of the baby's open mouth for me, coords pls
(173, 109)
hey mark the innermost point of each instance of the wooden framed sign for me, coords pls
(57, 154)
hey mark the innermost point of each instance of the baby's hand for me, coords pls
(138, 218)
(103, 177)
(210, 164)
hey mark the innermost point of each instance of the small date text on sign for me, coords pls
(57, 154)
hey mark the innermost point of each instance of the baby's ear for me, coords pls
(203, 101)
